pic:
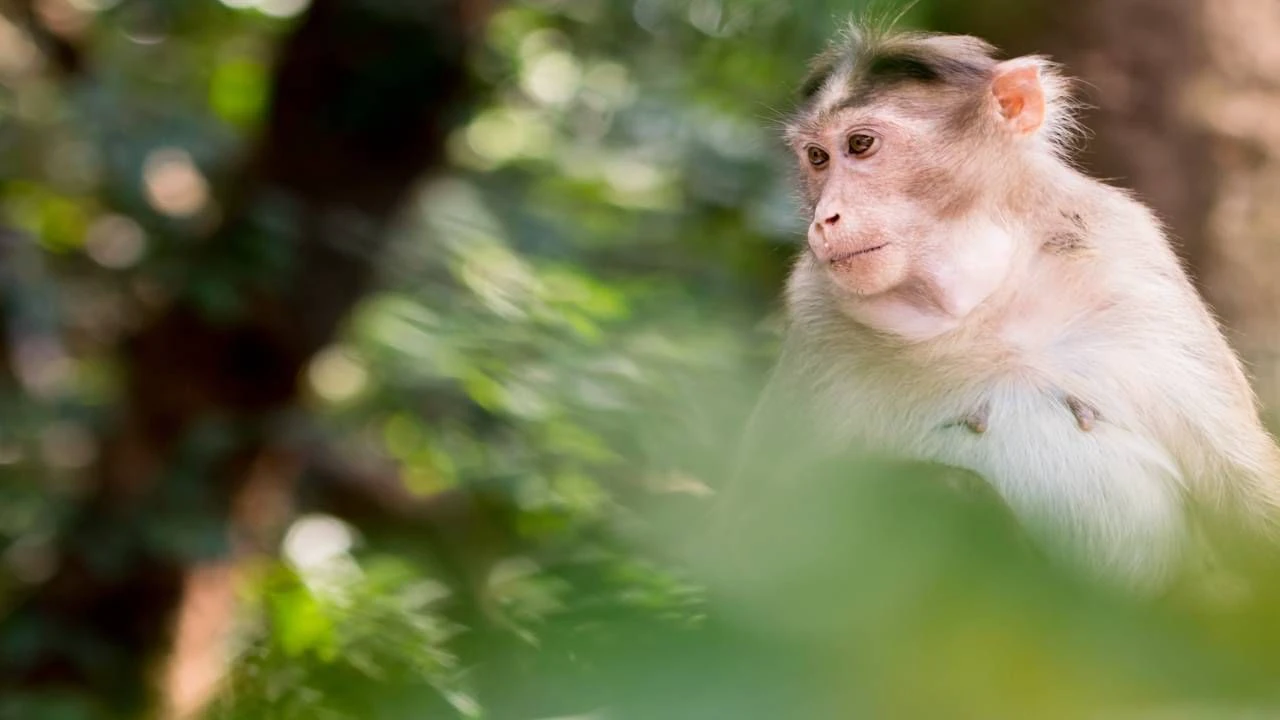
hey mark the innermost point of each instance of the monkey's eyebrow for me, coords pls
(900, 66)
(882, 72)
(889, 69)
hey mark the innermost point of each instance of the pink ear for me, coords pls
(1019, 95)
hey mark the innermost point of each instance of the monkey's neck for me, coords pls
(942, 296)
(912, 314)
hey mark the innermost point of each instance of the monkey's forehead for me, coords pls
(874, 54)
(839, 91)
(865, 64)
(912, 109)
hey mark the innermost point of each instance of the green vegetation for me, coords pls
(566, 333)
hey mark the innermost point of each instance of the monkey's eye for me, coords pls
(862, 145)
(817, 156)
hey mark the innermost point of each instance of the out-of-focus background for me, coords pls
(374, 359)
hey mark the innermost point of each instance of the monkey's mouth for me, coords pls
(844, 258)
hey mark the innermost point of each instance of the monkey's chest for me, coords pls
(1041, 386)
(1111, 491)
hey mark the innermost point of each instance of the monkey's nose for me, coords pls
(835, 218)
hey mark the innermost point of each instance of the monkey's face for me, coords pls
(874, 184)
(903, 174)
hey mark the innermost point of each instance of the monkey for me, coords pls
(967, 295)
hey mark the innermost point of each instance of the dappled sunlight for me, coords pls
(382, 359)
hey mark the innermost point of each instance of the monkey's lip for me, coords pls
(845, 257)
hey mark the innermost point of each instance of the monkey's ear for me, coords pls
(1019, 95)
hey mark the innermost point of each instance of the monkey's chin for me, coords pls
(871, 271)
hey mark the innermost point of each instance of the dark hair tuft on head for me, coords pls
(869, 54)
(903, 67)
(870, 57)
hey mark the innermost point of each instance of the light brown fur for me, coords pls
(1040, 309)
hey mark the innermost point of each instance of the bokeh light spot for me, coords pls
(552, 78)
(335, 374)
(607, 86)
(314, 540)
(173, 184)
(503, 135)
(283, 8)
(495, 136)
(238, 90)
(115, 241)
(41, 365)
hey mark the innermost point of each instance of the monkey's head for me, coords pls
(902, 138)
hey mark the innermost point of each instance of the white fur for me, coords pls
(1109, 499)
(1118, 327)
(1043, 286)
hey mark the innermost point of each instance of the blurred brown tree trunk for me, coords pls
(364, 95)
(1186, 97)
(1236, 101)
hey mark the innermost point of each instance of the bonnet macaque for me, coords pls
(968, 297)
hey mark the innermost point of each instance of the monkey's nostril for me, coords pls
(832, 220)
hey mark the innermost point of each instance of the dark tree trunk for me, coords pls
(1235, 101)
(364, 94)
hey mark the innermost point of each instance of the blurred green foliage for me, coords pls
(576, 316)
